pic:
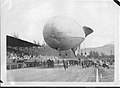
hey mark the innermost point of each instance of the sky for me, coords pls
(27, 18)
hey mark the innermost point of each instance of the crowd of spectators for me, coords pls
(50, 61)
(14, 58)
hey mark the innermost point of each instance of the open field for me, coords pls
(106, 75)
(72, 74)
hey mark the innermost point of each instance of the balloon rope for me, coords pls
(84, 47)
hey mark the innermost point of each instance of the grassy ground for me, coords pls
(58, 74)
(106, 75)
(72, 74)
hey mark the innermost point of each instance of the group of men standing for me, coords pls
(50, 63)
(84, 63)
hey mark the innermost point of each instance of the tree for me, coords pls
(38, 43)
(103, 55)
(93, 54)
(96, 54)
(15, 35)
(34, 41)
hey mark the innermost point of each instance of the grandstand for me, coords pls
(16, 53)
(20, 54)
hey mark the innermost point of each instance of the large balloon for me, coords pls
(63, 33)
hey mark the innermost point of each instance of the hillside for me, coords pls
(46, 50)
(107, 49)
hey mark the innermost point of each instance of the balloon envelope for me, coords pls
(63, 33)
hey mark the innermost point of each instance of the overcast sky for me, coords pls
(27, 18)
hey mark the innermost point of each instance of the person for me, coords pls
(82, 64)
(65, 64)
(57, 61)
(44, 63)
(48, 63)
(52, 63)
(35, 63)
(79, 61)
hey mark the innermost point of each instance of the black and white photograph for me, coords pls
(59, 42)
